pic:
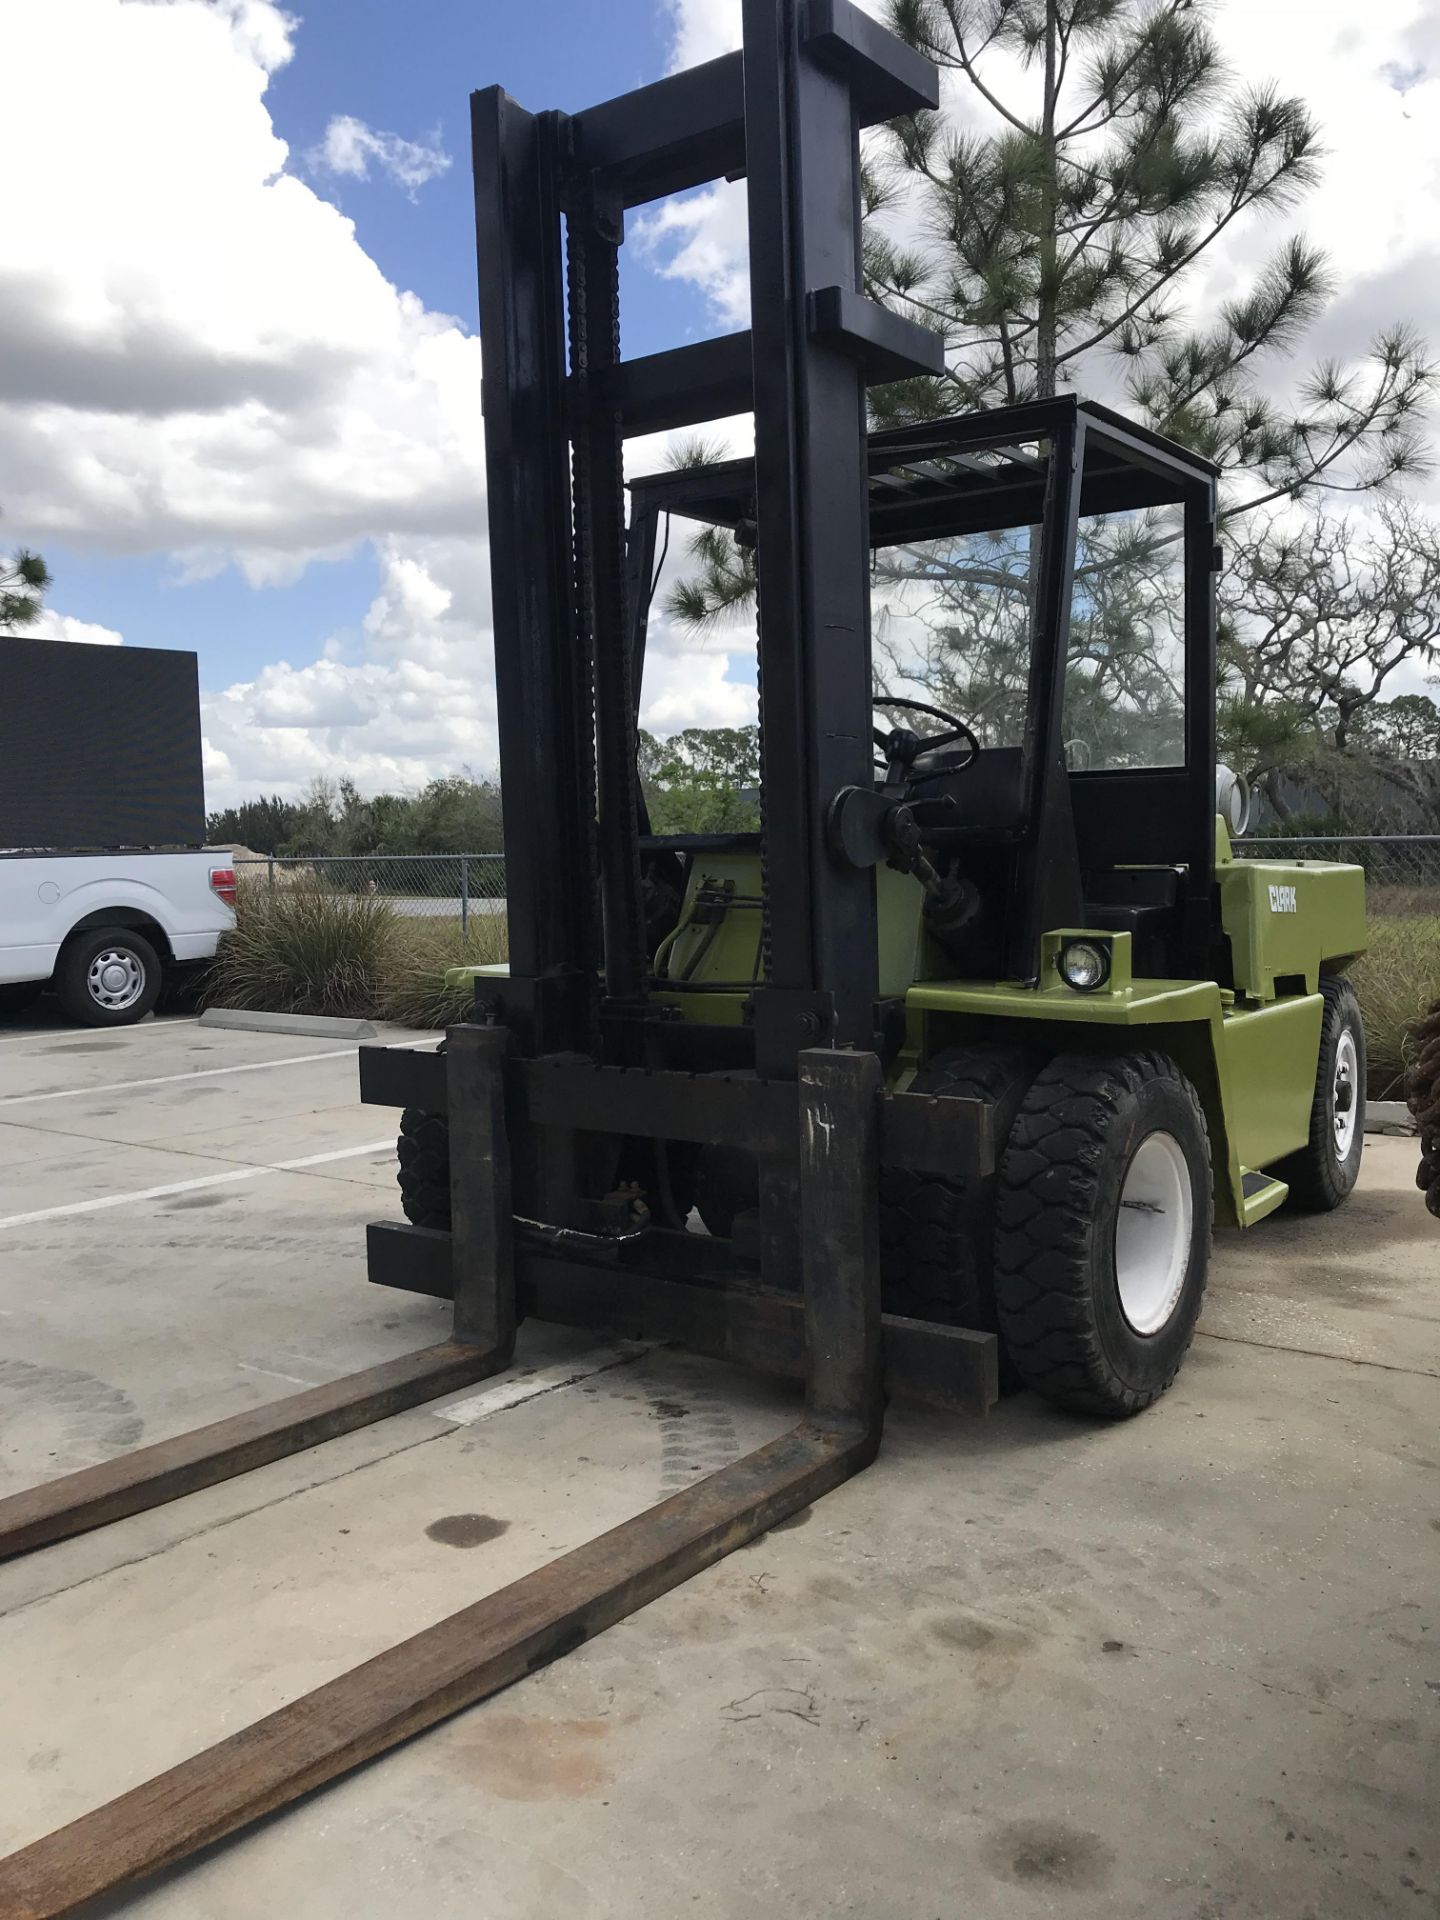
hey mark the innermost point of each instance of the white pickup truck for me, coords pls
(105, 930)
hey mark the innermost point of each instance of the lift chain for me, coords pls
(575, 301)
(598, 494)
(1422, 1092)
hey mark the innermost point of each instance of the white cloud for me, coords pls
(690, 689)
(64, 626)
(418, 701)
(350, 147)
(703, 238)
(703, 30)
(196, 355)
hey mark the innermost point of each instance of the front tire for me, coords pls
(1323, 1173)
(935, 1234)
(1102, 1231)
(108, 977)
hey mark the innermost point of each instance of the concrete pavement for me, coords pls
(1183, 1668)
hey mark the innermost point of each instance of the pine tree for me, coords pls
(24, 580)
(1053, 246)
(1046, 221)
(1051, 221)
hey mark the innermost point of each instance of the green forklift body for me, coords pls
(1250, 1050)
(1287, 920)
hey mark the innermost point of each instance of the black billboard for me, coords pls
(99, 746)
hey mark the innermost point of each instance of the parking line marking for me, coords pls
(272, 1373)
(170, 1079)
(190, 1186)
(513, 1393)
(170, 1024)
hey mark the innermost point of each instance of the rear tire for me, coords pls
(727, 1184)
(1323, 1173)
(1102, 1234)
(423, 1149)
(108, 977)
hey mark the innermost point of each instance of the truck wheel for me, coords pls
(934, 1233)
(424, 1174)
(1324, 1171)
(108, 977)
(1102, 1232)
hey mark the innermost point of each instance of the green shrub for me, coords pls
(305, 949)
(415, 991)
(1396, 981)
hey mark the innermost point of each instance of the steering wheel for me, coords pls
(902, 747)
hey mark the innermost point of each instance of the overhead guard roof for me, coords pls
(978, 472)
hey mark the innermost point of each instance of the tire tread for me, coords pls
(1045, 1225)
(1312, 1174)
(933, 1261)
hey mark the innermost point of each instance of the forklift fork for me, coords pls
(524, 1626)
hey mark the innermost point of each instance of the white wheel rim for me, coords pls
(1345, 1092)
(1153, 1231)
(116, 979)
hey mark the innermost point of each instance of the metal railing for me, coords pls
(1402, 870)
(420, 886)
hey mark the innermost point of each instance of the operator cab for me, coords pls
(1044, 658)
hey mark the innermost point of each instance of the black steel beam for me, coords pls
(927, 1132)
(1202, 563)
(1122, 470)
(839, 1096)
(887, 345)
(680, 387)
(954, 1369)
(1046, 809)
(708, 379)
(676, 133)
(811, 500)
(884, 76)
(482, 1211)
(403, 1077)
(542, 688)
(689, 128)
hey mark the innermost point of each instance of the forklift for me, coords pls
(1161, 1035)
(939, 1079)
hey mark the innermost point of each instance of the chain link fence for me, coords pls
(420, 886)
(1402, 871)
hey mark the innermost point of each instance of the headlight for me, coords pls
(1084, 965)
